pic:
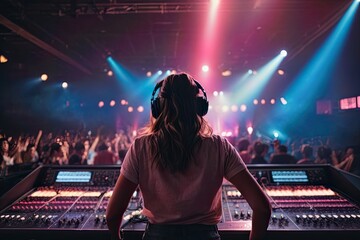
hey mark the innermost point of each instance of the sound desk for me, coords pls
(56, 202)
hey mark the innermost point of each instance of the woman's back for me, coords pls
(193, 196)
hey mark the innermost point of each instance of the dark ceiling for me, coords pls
(75, 36)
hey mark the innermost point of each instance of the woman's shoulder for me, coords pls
(215, 139)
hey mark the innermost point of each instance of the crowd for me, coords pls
(299, 152)
(83, 148)
(67, 148)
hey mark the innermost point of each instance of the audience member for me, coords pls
(260, 152)
(104, 156)
(77, 157)
(282, 157)
(307, 155)
(323, 155)
(243, 149)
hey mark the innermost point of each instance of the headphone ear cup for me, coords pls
(202, 106)
(155, 107)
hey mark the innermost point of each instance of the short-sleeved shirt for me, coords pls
(183, 198)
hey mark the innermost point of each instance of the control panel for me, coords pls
(304, 199)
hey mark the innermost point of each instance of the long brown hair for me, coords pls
(178, 128)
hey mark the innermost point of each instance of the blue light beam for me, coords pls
(321, 67)
(256, 83)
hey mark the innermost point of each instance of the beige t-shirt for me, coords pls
(188, 198)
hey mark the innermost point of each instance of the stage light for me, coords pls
(272, 101)
(250, 71)
(221, 93)
(281, 72)
(215, 93)
(255, 102)
(159, 72)
(263, 101)
(250, 130)
(64, 85)
(112, 103)
(283, 53)
(3, 59)
(283, 101)
(130, 109)
(110, 73)
(123, 102)
(148, 74)
(276, 134)
(44, 77)
(226, 73)
(101, 104)
(168, 72)
(173, 71)
(140, 109)
(205, 68)
(225, 108)
(243, 107)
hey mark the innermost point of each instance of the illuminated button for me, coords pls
(236, 214)
(248, 214)
(77, 222)
(242, 214)
(97, 219)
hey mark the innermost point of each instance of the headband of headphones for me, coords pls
(202, 104)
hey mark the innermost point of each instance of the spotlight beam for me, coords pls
(310, 80)
(255, 84)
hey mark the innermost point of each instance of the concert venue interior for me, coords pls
(284, 70)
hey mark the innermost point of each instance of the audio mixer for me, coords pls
(56, 202)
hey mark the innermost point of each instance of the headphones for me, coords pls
(202, 104)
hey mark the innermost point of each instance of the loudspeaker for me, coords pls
(202, 104)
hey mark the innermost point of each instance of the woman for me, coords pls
(179, 166)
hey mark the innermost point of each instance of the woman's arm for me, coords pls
(118, 203)
(257, 200)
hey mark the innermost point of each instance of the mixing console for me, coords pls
(313, 200)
